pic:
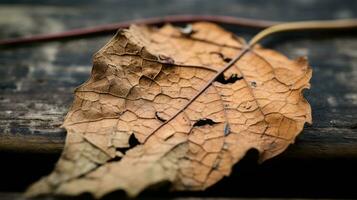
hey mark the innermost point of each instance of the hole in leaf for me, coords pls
(115, 159)
(223, 57)
(232, 79)
(203, 122)
(159, 118)
(227, 60)
(133, 142)
(253, 84)
(187, 31)
(226, 129)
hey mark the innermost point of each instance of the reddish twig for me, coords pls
(110, 28)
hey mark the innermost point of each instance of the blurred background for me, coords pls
(37, 81)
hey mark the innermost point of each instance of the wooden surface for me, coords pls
(37, 82)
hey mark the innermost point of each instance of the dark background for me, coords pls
(36, 84)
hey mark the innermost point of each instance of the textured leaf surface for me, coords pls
(134, 124)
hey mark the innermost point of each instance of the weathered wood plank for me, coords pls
(36, 85)
(36, 95)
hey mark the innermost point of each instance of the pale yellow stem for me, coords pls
(307, 25)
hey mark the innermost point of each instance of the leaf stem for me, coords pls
(305, 25)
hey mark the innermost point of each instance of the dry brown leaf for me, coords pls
(142, 87)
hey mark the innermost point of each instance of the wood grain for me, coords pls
(37, 82)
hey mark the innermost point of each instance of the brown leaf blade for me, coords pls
(142, 87)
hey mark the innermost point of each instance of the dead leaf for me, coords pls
(136, 123)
